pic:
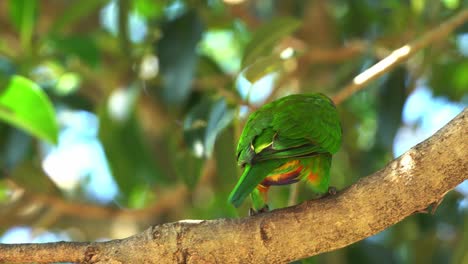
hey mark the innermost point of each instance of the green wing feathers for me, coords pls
(312, 118)
(290, 122)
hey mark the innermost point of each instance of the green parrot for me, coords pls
(286, 141)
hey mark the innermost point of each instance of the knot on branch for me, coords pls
(265, 230)
(90, 253)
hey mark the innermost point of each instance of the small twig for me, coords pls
(337, 55)
(313, 55)
(400, 55)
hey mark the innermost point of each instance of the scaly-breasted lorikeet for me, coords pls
(288, 140)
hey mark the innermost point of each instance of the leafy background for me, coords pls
(121, 114)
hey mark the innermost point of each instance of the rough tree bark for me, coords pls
(417, 179)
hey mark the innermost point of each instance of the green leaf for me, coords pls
(178, 56)
(460, 252)
(203, 124)
(23, 15)
(23, 104)
(16, 146)
(392, 96)
(369, 252)
(4, 191)
(7, 69)
(220, 117)
(225, 153)
(266, 37)
(451, 4)
(129, 156)
(261, 68)
(141, 196)
(248, 81)
(188, 167)
(208, 67)
(83, 47)
(451, 78)
(148, 8)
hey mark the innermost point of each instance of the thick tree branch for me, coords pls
(401, 55)
(408, 184)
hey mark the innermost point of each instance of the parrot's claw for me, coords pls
(331, 192)
(252, 212)
(262, 210)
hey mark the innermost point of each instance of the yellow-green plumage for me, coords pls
(291, 139)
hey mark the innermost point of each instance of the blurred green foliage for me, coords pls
(24, 105)
(171, 83)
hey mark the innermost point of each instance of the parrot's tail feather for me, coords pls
(242, 189)
(252, 176)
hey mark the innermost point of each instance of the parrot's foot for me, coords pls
(331, 192)
(262, 210)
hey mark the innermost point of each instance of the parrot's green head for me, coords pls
(324, 97)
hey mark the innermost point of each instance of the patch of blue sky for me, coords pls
(136, 23)
(256, 93)
(79, 157)
(462, 43)
(175, 9)
(423, 115)
(22, 234)
(223, 48)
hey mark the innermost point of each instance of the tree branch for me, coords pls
(400, 55)
(88, 210)
(167, 201)
(337, 55)
(408, 184)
